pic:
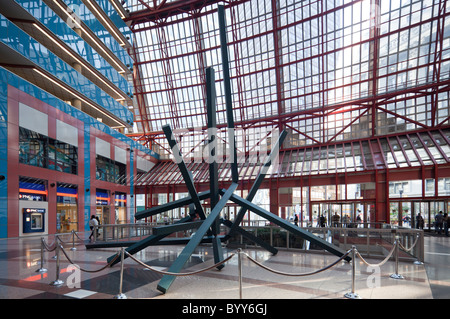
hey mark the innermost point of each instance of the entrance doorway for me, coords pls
(428, 210)
(355, 213)
(102, 212)
(401, 214)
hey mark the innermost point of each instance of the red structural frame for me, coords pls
(17, 169)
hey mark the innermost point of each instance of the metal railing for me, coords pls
(372, 242)
(58, 247)
(117, 232)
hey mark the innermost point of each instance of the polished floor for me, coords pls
(20, 278)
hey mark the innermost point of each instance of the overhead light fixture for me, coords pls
(87, 33)
(78, 60)
(122, 43)
(78, 96)
(118, 9)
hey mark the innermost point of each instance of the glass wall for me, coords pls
(110, 171)
(41, 151)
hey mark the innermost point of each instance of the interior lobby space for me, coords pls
(254, 149)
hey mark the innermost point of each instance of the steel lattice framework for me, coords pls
(326, 70)
(335, 74)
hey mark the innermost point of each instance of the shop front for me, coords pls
(120, 205)
(33, 206)
(66, 208)
(102, 210)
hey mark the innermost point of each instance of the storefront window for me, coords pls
(120, 203)
(102, 201)
(66, 208)
(32, 189)
(110, 171)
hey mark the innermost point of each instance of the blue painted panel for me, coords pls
(3, 160)
(58, 26)
(22, 43)
(87, 176)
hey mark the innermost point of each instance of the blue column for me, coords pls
(87, 176)
(3, 158)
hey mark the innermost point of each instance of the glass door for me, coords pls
(422, 208)
(406, 215)
(394, 213)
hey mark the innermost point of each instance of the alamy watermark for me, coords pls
(74, 279)
(73, 20)
(197, 145)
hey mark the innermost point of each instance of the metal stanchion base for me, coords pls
(120, 296)
(397, 276)
(73, 248)
(57, 283)
(41, 270)
(418, 262)
(352, 295)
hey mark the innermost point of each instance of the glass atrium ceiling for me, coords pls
(410, 150)
(327, 71)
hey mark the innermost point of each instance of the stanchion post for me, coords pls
(121, 295)
(239, 251)
(353, 294)
(396, 275)
(73, 241)
(418, 261)
(57, 281)
(42, 269)
(56, 243)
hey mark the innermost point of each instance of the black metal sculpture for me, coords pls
(208, 226)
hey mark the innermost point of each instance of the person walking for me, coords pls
(323, 221)
(335, 220)
(419, 222)
(93, 223)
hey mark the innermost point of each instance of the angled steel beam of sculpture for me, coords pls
(151, 240)
(288, 226)
(169, 206)
(181, 260)
(227, 90)
(212, 138)
(169, 229)
(187, 176)
(259, 179)
(212, 159)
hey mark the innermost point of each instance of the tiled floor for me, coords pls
(20, 259)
